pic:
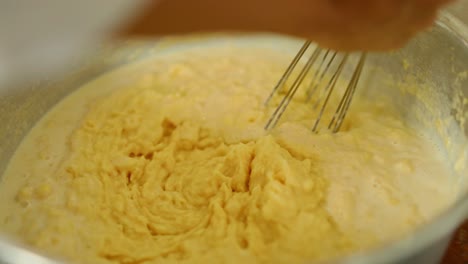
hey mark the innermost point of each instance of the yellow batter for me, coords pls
(173, 166)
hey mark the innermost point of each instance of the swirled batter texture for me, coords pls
(174, 167)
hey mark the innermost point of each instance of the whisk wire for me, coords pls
(328, 91)
(316, 82)
(290, 93)
(289, 70)
(345, 102)
(319, 77)
(329, 83)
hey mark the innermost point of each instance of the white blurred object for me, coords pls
(41, 37)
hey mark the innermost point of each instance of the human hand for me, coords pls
(336, 24)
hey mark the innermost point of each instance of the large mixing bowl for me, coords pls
(437, 61)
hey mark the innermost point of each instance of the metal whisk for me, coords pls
(321, 86)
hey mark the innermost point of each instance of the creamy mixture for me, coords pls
(171, 164)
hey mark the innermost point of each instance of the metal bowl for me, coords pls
(436, 60)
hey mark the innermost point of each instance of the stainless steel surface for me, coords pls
(325, 67)
(436, 60)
